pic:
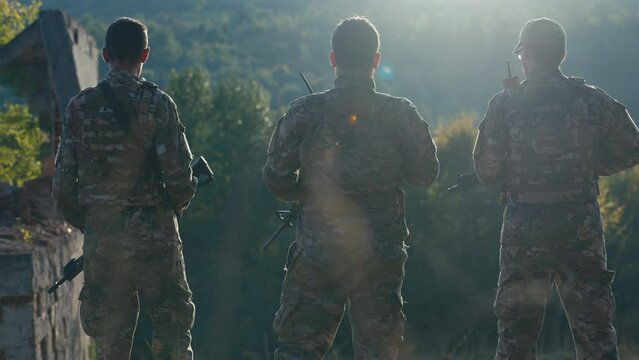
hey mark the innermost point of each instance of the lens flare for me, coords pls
(385, 71)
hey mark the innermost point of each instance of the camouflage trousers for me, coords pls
(135, 254)
(562, 245)
(314, 299)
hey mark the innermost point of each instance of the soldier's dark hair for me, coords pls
(125, 39)
(355, 41)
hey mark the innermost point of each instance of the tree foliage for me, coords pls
(229, 122)
(620, 209)
(20, 135)
(20, 141)
(228, 64)
(15, 16)
(445, 66)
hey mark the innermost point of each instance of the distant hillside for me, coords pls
(447, 56)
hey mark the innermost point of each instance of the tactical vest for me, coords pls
(351, 174)
(114, 166)
(551, 142)
(350, 146)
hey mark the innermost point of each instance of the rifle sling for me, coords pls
(112, 101)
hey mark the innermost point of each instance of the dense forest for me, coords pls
(446, 55)
(232, 67)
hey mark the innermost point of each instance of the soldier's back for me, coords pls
(554, 126)
(355, 141)
(352, 167)
(115, 158)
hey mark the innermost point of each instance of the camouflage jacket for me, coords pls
(551, 138)
(345, 153)
(99, 162)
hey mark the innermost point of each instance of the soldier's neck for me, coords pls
(350, 77)
(536, 70)
(543, 71)
(354, 73)
(135, 69)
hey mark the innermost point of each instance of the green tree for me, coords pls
(20, 141)
(15, 16)
(619, 201)
(452, 264)
(229, 122)
(20, 135)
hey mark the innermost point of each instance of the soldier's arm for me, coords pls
(283, 160)
(174, 157)
(65, 180)
(420, 165)
(617, 147)
(489, 155)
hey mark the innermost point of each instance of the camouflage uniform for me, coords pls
(549, 140)
(344, 154)
(121, 181)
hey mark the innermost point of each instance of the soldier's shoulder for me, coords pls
(499, 98)
(596, 95)
(580, 85)
(311, 100)
(309, 103)
(81, 98)
(155, 94)
(395, 103)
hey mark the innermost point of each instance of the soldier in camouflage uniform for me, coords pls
(548, 141)
(123, 184)
(344, 155)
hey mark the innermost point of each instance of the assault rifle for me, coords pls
(469, 180)
(69, 272)
(201, 170)
(287, 217)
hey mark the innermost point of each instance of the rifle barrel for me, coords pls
(270, 240)
(308, 85)
(56, 286)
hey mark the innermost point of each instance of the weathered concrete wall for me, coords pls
(56, 316)
(72, 55)
(58, 58)
(35, 325)
(16, 310)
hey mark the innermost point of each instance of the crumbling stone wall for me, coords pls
(58, 58)
(34, 324)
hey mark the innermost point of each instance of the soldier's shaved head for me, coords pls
(355, 43)
(126, 39)
(544, 40)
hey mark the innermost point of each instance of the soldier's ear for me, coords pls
(331, 58)
(105, 55)
(144, 55)
(376, 59)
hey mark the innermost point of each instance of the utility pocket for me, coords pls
(139, 222)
